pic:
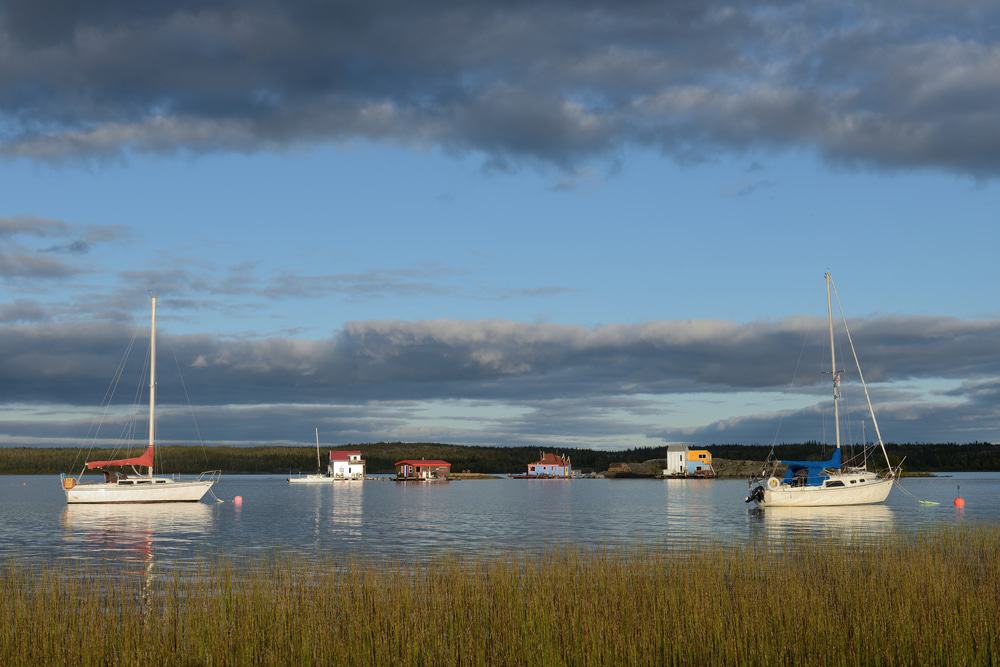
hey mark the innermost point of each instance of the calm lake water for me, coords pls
(414, 521)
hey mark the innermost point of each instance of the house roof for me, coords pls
(343, 454)
(423, 462)
(550, 459)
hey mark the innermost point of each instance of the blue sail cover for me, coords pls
(811, 470)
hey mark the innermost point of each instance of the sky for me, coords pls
(595, 224)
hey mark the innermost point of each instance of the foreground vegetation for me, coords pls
(380, 457)
(929, 600)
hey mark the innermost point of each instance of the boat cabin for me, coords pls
(346, 464)
(422, 470)
(810, 473)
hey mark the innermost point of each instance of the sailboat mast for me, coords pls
(833, 364)
(152, 379)
(318, 466)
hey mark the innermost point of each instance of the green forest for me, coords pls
(185, 459)
(945, 457)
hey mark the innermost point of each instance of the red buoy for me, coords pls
(238, 501)
(959, 502)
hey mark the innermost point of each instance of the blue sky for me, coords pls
(473, 244)
(742, 237)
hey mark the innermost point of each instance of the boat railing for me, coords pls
(210, 476)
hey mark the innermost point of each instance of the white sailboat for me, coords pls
(118, 485)
(319, 477)
(831, 482)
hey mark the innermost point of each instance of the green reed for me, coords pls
(930, 598)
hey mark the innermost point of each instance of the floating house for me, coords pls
(422, 470)
(684, 462)
(676, 461)
(551, 465)
(346, 464)
(699, 463)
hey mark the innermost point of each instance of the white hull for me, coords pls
(818, 496)
(165, 491)
(312, 479)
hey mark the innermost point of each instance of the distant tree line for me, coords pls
(944, 457)
(380, 457)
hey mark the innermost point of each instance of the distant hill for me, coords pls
(380, 457)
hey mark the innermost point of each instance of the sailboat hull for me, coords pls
(817, 496)
(312, 479)
(168, 491)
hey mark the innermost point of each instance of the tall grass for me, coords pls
(929, 599)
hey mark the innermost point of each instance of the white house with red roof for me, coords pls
(346, 464)
(551, 465)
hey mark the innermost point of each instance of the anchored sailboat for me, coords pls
(118, 486)
(831, 482)
(319, 477)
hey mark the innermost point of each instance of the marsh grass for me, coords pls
(932, 598)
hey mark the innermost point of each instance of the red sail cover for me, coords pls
(144, 459)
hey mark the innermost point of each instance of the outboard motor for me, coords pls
(756, 495)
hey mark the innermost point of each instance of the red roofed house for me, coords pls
(346, 464)
(551, 465)
(422, 470)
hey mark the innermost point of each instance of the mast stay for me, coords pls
(861, 376)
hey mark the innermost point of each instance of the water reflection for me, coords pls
(846, 522)
(134, 534)
(346, 512)
(483, 518)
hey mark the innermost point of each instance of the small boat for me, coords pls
(831, 482)
(319, 477)
(121, 487)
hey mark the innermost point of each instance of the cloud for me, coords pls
(973, 414)
(894, 86)
(23, 311)
(498, 381)
(532, 292)
(77, 247)
(493, 359)
(19, 261)
(180, 284)
(748, 188)
(32, 226)
(20, 265)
